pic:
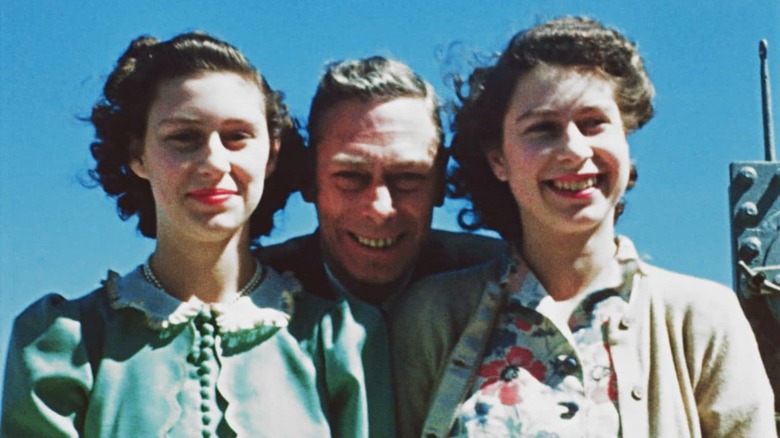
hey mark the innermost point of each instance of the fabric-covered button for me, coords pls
(206, 356)
(205, 381)
(207, 329)
(207, 341)
(205, 393)
(206, 433)
(206, 419)
(638, 393)
(205, 407)
(205, 369)
(194, 356)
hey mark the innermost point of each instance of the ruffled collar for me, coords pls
(269, 305)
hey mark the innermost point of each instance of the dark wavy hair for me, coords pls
(484, 99)
(120, 116)
(375, 78)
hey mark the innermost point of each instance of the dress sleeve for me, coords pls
(733, 394)
(48, 376)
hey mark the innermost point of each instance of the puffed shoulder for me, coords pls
(47, 366)
(55, 316)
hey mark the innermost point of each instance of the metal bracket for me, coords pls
(757, 283)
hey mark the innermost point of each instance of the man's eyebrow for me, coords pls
(418, 165)
(349, 160)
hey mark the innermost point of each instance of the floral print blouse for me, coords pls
(547, 370)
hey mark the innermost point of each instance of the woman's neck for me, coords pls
(567, 263)
(211, 271)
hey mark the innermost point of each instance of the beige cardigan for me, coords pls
(686, 359)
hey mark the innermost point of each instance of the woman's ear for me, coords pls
(273, 155)
(495, 158)
(136, 161)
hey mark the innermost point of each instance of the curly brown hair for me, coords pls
(485, 96)
(119, 118)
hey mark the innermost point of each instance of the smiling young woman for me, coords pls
(196, 341)
(570, 334)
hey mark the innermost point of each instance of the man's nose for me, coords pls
(380, 206)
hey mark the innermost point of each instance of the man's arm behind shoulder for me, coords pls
(450, 250)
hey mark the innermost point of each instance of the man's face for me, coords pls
(376, 186)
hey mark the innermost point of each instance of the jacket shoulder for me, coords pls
(286, 252)
(446, 251)
(453, 294)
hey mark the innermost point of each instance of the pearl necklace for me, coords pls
(255, 281)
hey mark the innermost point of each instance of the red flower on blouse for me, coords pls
(523, 325)
(501, 374)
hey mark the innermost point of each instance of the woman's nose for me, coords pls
(217, 155)
(574, 144)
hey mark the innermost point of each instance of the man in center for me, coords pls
(375, 169)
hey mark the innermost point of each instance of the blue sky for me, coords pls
(56, 235)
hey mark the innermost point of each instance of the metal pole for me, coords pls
(766, 103)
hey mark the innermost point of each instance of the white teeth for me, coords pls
(376, 243)
(575, 186)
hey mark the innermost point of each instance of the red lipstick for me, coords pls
(211, 196)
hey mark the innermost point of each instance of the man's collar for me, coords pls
(342, 290)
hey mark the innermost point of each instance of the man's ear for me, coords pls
(273, 155)
(495, 158)
(442, 158)
(308, 179)
(136, 160)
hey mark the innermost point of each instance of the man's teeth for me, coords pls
(376, 243)
(575, 186)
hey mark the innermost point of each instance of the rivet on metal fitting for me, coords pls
(749, 249)
(747, 175)
(748, 211)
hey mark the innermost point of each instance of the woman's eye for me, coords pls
(183, 139)
(235, 139)
(545, 128)
(592, 125)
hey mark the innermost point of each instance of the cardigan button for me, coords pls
(638, 393)
(566, 364)
(626, 322)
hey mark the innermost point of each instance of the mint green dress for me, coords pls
(129, 360)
